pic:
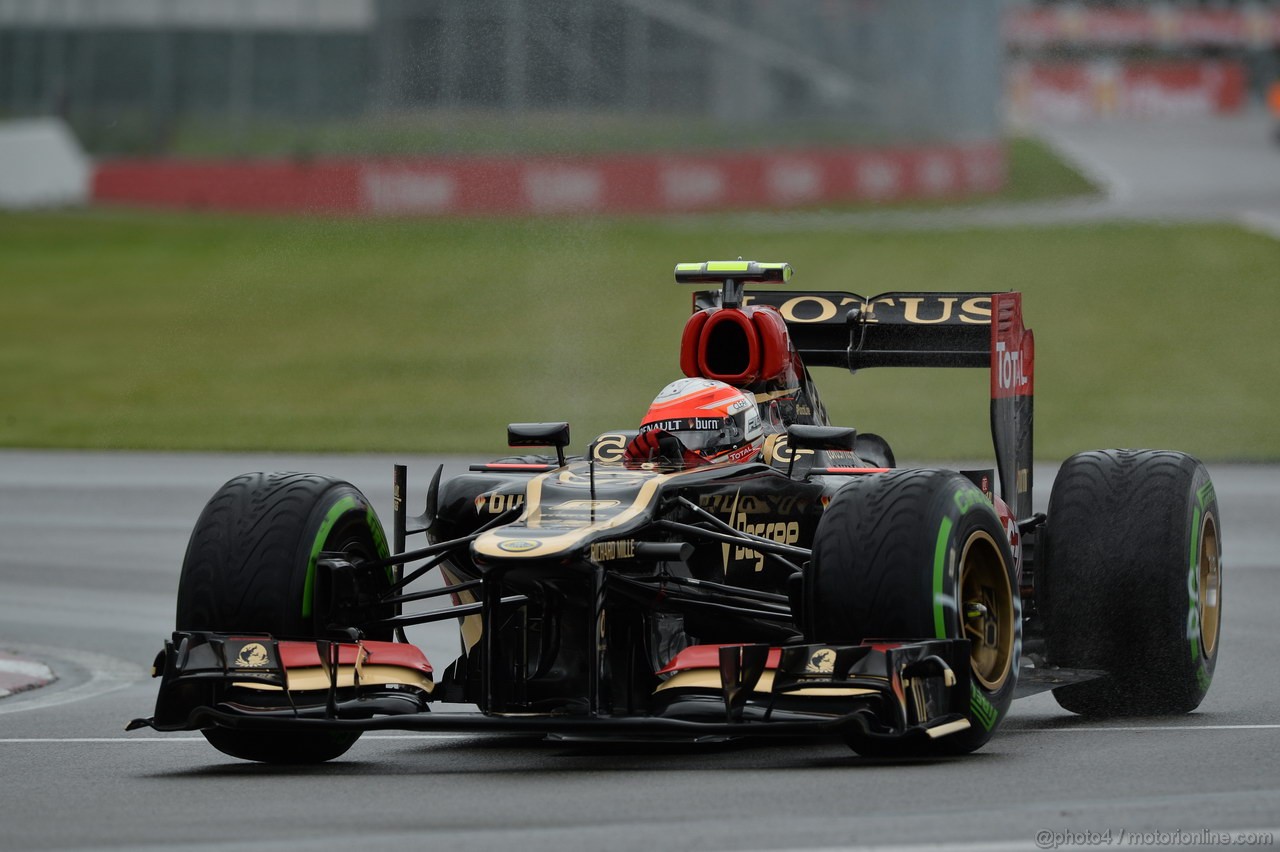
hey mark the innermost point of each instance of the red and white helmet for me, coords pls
(710, 421)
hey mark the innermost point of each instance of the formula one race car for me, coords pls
(736, 567)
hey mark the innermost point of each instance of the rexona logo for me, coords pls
(253, 656)
(519, 545)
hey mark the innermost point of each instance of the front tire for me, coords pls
(1132, 581)
(250, 567)
(918, 554)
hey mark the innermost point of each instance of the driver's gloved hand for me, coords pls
(657, 447)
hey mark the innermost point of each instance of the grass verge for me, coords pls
(130, 330)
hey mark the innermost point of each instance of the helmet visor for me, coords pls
(704, 435)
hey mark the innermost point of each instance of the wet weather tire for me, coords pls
(1131, 581)
(893, 556)
(250, 567)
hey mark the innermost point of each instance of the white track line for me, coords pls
(1267, 224)
(61, 740)
(378, 737)
(1095, 728)
(146, 739)
(1006, 845)
(1113, 183)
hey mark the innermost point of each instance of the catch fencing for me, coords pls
(324, 76)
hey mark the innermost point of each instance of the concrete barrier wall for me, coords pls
(649, 183)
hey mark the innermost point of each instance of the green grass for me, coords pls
(132, 330)
(459, 132)
(1035, 174)
(455, 131)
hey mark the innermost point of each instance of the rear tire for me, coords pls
(903, 555)
(1131, 581)
(250, 568)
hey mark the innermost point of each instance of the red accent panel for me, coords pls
(630, 183)
(775, 343)
(265, 186)
(301, 655)
(708, 657)
(1138, 89)
(1010, 523)
(1012, 349)
(738, 318)
(518, 466)
(689, 343)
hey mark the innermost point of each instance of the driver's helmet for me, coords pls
(698, 421)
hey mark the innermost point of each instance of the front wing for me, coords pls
(890, 690)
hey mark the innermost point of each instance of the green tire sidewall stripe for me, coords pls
(379, 539)
(963, 500)
(939, 577)
(1204, 495)
(982, 710)
(337, 510)
(1193, 589)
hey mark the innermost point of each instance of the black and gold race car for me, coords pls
(807, 587)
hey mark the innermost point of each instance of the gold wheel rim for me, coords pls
(1210, 577)
(986, 610)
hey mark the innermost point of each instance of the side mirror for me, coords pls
(540, 435)
(803, 437)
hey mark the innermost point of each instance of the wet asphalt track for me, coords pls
(91, 548)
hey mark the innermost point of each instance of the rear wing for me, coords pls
(914, 329)
(832, 329)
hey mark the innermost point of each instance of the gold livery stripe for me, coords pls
(780, 394)
(710, 679)
(949, 728)
(314, 677)
(487, 544)
(472, 627)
